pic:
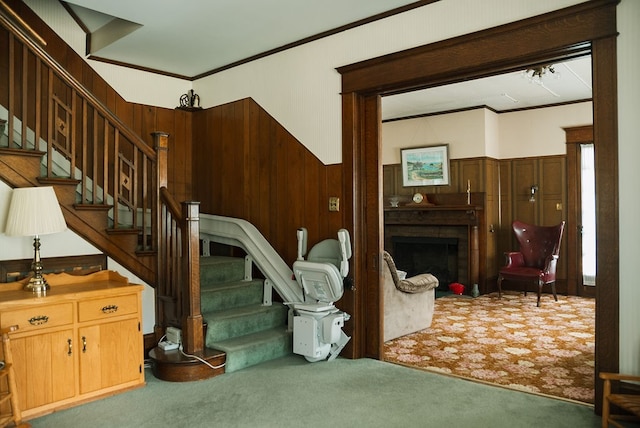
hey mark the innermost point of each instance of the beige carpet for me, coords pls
(511, 342)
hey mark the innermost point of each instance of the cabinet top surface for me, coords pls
(68, 287)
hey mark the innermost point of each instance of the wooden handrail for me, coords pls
(26, 26)
(172, 205)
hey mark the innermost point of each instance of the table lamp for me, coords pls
(35, 211)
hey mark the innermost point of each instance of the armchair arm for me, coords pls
(514, 259)
(619, 376)
(550, 264)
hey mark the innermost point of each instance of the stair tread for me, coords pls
(213, 260)
(221, 286)
(264, 336)
(241, 311)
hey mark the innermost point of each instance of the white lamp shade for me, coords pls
(34, 211)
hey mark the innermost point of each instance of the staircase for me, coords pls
(112, 187)
(238, 322)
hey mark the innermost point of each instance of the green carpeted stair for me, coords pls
(237, 321)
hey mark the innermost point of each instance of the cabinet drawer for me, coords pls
(97, 309)
(38, 317)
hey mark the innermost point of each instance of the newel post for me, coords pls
(192, 323)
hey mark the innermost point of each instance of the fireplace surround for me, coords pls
(439, 239)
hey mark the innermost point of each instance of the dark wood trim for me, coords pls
(575, 136)
(540, 39)
(135, 67)
(605, 137)
(491, 109)
(319, 36)
(589, 26)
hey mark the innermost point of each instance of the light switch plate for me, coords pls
(334, 203)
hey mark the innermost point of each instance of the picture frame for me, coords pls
(425, 166)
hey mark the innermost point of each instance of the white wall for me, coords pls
(539, 132)
(463, 131)
(300, 87)
(305, 99)
(481, 132)
(629, 198)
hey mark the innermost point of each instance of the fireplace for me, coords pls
(423, 254)
(437, 239)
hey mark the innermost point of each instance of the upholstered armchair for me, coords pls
(537, 260)
(408, 303)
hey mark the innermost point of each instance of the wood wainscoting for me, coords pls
(505, 186)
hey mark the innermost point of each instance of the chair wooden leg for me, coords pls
(553, 289)
(605, 403)
(499, 286)
(540, 284)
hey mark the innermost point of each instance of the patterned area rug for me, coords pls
(510, 342)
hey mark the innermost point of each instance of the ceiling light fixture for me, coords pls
(535, 74)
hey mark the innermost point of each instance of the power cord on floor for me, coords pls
(200, 359)
(195, 357)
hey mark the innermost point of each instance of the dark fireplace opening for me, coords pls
(420, 254)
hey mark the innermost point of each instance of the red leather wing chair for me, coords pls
(537, 259)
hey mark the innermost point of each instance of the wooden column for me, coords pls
(192, 322)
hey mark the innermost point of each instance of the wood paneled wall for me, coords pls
(549, 174)
(246, 165)
(506, 184)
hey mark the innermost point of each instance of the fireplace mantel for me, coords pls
(446, 215)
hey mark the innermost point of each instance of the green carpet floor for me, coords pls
(291, 392)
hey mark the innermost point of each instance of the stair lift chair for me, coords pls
(317, 323)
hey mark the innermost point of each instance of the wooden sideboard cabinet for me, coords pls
(81, 341)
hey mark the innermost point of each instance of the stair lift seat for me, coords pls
(317, 323)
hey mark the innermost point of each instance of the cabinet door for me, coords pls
(44, 367)
(110, 354)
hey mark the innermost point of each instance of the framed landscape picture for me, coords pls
(425, 166)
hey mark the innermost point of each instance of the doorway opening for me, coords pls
(471, 56)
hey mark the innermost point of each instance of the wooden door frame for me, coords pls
(588, 27)
(575, 137)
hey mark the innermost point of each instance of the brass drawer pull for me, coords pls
(39, 320)
(69, 347)
(109, 309)
(84, 344)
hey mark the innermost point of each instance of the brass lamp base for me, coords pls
(37, 285)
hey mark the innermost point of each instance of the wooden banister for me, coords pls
(110, 168)
(105, 165)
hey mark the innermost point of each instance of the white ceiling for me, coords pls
(571, 81)
(190, 38)
(193, 37)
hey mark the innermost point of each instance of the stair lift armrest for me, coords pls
(345, 251)
(301, 234)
